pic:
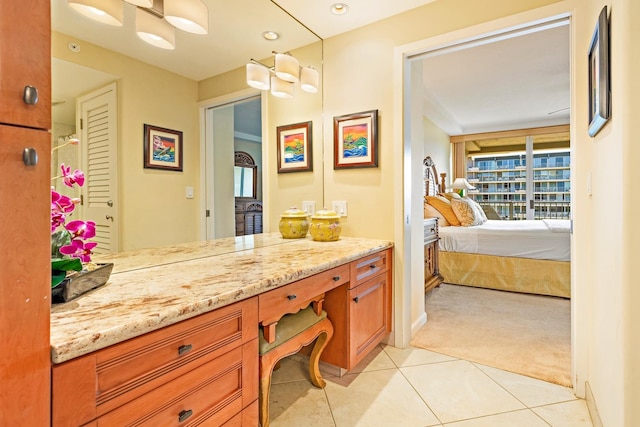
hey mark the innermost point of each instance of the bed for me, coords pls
(521, 256)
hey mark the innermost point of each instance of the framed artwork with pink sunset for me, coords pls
(355, 140)
(162, 148)
(295, 148)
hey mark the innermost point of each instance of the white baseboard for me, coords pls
(419, 323)
(593, 408)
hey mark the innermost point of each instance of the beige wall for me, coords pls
(152, 208)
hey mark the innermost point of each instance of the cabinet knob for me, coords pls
(183, 349)
(30, 156)
(184, 415)
(356, 299)
(292, 297)
(336, 278)
(30, 95)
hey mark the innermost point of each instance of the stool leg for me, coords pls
(318, 347)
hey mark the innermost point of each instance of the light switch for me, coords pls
(309, 207)
(340, 207)
(189, 192)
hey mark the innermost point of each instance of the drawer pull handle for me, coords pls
(184, 415)
(356, 299)
(336, 278)
(433, 229)
(30, 95)
(372, 266)
(292, 297)
(184, 349)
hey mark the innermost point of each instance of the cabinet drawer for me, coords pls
(370, 316)
(102, 381)
(369, 266)
(290, 298)
(206, 396)
(430, 230)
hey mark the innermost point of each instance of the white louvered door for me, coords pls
(97, 116)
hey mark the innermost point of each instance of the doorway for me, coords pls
(417, 102)
(233, 150)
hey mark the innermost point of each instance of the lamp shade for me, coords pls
(191, 16)
(309, 79)
(462, 184)
(281, 88)
(258, 76)
(287, 67)
(141, 3)
(154, 30)
(108, 12)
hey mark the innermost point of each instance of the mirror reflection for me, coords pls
(167, 89)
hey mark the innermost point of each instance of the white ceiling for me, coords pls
(509, 84)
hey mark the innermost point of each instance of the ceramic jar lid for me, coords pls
(325, 214)
(294, 212)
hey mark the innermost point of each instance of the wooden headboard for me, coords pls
(431, 184)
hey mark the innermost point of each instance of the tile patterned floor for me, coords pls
(415, 387)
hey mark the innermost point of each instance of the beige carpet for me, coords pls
(521, 333)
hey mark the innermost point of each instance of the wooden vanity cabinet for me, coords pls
(201, 371)
(360, 310)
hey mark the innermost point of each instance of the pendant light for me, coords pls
(188, 15)
(287, 67)
(258, 76)
(108, 12)
(309, 79)
(154, 30)
(282, 88)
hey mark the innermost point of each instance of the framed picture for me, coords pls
(355, 140)
(295, 148)
(162, 148)
(599, 93)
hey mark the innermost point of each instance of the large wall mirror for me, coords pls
(164, 88)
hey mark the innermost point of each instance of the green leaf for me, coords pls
(59, 268)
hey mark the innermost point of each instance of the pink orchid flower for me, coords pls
(61, 205)
(77, 177)
(81, 229)
(79, 249)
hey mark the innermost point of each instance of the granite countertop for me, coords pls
(153, 288)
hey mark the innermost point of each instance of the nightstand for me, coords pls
(432, 277)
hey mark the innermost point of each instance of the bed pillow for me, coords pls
(478, 209)
(451, 195)
(431, 212)
(466, 212)
(443, 206)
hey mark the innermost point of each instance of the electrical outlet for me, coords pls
(340, 207)
(309, 207)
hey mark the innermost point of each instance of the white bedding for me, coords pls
(538, 239)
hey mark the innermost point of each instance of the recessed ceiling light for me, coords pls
(271, 35)
(339, 8)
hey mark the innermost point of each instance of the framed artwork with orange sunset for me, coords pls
(355, 140)
(295, 148)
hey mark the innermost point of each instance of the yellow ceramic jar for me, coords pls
(294, 224)
(325, 226)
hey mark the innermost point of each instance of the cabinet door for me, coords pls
(25, 61)
(370, 317)
(26, 277)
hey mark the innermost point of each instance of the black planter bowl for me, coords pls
(83, 282)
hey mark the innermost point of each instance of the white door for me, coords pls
(96, 117)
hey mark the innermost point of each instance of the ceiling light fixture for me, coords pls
(271, 35)
(155, 19)
(281, 78)
(339, 8)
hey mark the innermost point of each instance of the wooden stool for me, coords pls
(292, 333)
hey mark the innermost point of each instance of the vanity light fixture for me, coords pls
(156, 20)
(339, 8)
(281, 78)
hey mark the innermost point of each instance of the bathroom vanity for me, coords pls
(172, 338)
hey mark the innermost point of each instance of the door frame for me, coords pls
(409, 288)
(206, 202)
